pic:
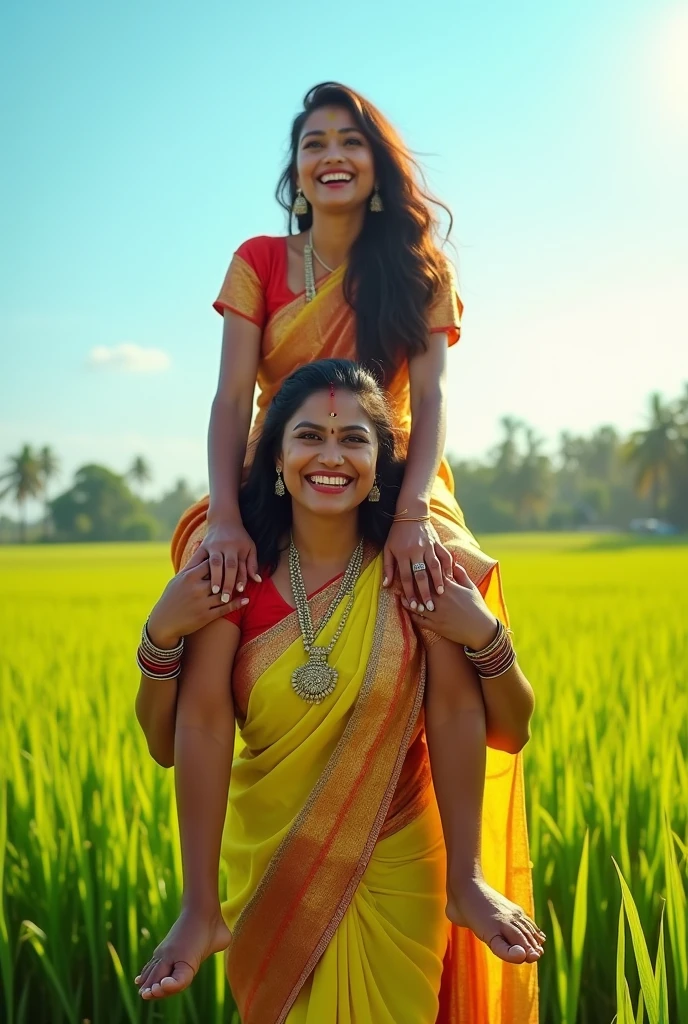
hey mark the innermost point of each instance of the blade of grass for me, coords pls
(642, 956)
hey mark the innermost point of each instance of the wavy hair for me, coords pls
(268, 517)
(395, 267)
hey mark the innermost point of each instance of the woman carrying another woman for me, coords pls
(341, 855)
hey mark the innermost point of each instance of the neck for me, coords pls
(325, 540)
(334, 234)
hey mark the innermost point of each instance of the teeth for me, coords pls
(329, 481)
(337, 176)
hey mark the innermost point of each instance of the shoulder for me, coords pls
(262, 251)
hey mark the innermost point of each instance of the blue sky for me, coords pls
(145, 140)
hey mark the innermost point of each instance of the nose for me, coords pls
(331, 456)
(334, 153)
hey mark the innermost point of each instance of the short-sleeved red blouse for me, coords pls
(265, 609)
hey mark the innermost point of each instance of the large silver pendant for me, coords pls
(316, 679)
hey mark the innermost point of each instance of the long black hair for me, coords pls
(268, 517)
(395, 267)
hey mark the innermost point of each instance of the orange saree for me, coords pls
(288, 909)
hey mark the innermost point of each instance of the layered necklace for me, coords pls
(308, 270)
(316, 680)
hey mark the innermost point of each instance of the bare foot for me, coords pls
(174, 964)
(502, 925)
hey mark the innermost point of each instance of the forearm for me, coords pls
(425, 450)
(204, 745)
(156, 707)
(156, 700)
(227, 436)
(509, 703)
(455, 728)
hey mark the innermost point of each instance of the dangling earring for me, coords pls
(374, 492)
(376, 204)
(279, 484)
(300, 206)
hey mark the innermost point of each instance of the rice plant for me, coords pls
(89, 860)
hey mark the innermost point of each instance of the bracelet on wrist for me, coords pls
(158, 662)
(495, 659)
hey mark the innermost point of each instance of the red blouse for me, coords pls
(265, 609)
(266, 256)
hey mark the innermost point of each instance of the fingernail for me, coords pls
(240, 587)
(244, 601)
(146, 992)
(421, 608)
(440, 589)
(258, 579)
(225, 598)
(216, 590)
(385, 582)
(413, 606)
(430, 606)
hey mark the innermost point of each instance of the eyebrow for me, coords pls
(319, 132)
(317, 426)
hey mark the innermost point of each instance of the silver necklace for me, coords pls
(308, 270)
(316, 680)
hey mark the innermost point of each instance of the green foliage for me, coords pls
(601, 479)
(91, 859)
(100, 507)
(169, 509)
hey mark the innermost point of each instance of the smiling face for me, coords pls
(334, 166)
(328, 463)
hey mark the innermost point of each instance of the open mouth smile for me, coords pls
(328, 483)
(335, 179)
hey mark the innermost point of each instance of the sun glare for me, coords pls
(671, 64)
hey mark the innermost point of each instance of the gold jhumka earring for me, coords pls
(279, 484)
(300, 206)
(374, 492)
(376, 204)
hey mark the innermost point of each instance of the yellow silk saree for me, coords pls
(333, 844)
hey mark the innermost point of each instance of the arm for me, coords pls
(410, 542)
(509, 705)
(230, 415)
(461, 615)
(203, 750)
(228, 547)
(185, 606)
(427, 377)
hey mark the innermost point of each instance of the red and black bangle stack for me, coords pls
(495, 659)
(156, 662)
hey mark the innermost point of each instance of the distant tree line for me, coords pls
(600, 480)
(99, 506)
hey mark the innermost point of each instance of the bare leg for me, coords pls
(455, 725)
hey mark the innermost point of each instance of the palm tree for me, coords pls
(22, 481)
(140, 472)
(49, 467)
(654, 452)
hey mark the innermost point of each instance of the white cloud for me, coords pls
(129, 358)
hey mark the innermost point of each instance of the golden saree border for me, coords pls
(300, 901)
(242, 292)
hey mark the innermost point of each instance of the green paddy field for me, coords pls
(89, 862)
